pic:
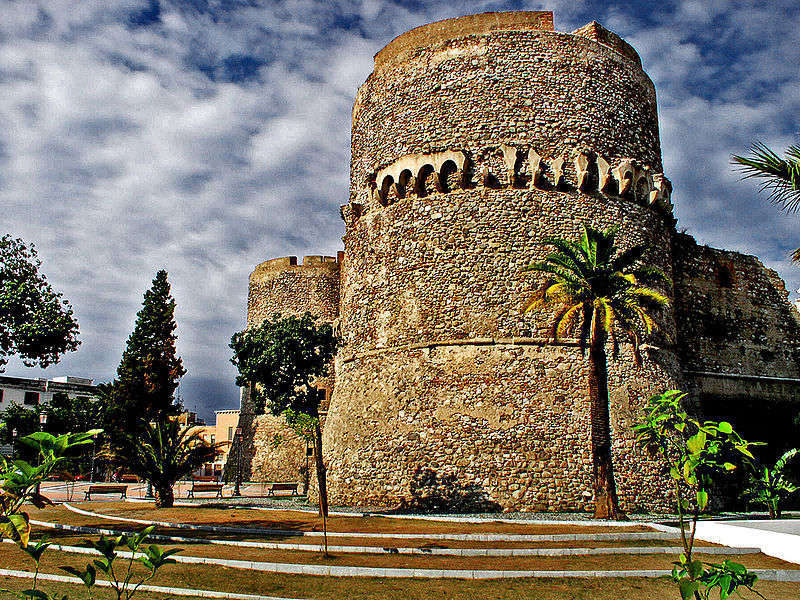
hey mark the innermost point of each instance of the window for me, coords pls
(213, 439)
(724, 276)
(31, 398)
(1, 395)
(230, 433)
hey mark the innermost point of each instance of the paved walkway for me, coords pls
(778, 538)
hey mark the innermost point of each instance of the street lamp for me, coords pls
(42, 423)
(14, 434)
(94, 446)
(236, 490)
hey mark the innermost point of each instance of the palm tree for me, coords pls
(600, 292)
(779, 176)
(770, 486)
(163, 452)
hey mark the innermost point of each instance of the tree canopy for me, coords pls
(283, 357)
(36, 323)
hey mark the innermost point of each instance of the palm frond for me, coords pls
(648, 294)
(565, 320)
(780, 176)
(780, 465)
(626, 259)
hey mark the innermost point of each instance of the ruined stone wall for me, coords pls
(739, 341)
(467, 151)
(285, 287)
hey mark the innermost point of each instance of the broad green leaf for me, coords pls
(725, 427)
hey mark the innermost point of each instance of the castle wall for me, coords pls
(287, 288)
(739, 341)
(467, 152)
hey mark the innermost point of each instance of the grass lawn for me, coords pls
(214, 577)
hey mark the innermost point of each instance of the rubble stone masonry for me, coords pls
(473, 140)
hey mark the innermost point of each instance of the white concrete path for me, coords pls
(778, 538)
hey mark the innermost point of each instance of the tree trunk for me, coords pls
(165, 497)
(321, 477)
(606, 505)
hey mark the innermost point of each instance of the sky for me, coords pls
(205, 136)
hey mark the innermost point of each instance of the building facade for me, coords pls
(473, 140)
(31, 393)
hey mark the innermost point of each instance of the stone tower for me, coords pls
(283, 286)
(473, 139)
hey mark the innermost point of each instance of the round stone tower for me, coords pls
(473, 139)
(282, 286)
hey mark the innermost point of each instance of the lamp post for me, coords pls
(236, 490)
(42, 423)
(91, 473)
(14, 434)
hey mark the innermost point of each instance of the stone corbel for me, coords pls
(557, 169)
(663, 191)
(604, 174)
(510, 158)
(535, 167)
(582, 162)
(625, 173)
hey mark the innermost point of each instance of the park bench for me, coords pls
(122, 490)
(282, 487)
(202, 486)
(128, 478)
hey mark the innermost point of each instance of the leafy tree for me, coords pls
(600, 292)
(36, 323)
(780, 177)
(25, 421)
(19, 485)
(771, 485)
(281, 359)
(694, 454)
(162, 452)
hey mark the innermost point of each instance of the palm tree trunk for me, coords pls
(606, 505)
(165, 497)
(321, 475)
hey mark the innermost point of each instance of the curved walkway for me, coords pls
(496, 552)
(384, 572)
(431, 573)
(475, 537)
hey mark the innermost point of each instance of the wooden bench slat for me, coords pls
(205, 487)
(283, 487)
(106, 489)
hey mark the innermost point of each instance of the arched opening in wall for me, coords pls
(427, 181)
(387, 191)
(450, 176)
(626, 184)
(518, 178)
(642, 191)
(591, 182)
(405, 183)
(724, 275)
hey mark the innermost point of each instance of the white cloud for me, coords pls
(127, 149)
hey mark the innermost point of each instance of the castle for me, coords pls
(473, 139)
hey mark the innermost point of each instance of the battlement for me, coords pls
(442, 31)
(289, 263)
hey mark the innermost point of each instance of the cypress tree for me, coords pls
(150, 369)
